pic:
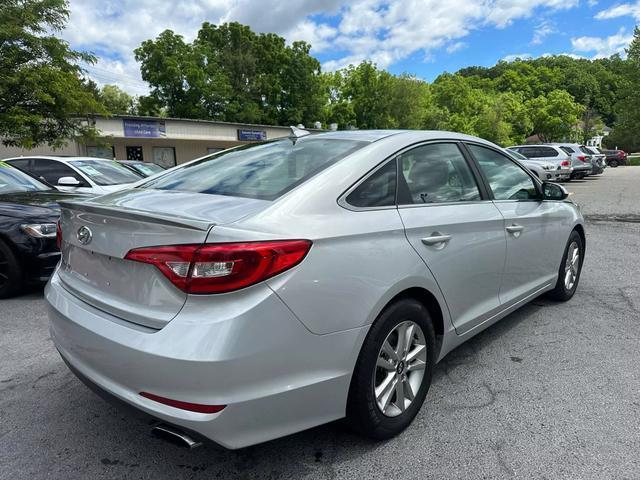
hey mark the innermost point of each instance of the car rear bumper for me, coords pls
(560, 174)
(274, 376)
(581, 170)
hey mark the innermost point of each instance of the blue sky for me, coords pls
(422, 37)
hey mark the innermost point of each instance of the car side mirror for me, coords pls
(68, 182)
(553, 191)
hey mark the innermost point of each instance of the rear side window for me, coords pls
(436, 173)
(263, 171)
(52, 171)
(379, 190)
(548, 152)
(567, 150)
(529, 152)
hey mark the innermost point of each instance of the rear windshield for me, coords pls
(263, 171)
(586, 150)
(106, 172)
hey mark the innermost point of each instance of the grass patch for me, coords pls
(634, 161)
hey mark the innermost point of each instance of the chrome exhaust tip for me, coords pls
(175, 436)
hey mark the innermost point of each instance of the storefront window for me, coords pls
(164, 156)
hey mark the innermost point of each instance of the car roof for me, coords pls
(376, 135)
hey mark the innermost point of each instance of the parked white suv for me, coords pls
(545, 171)
(545, 154)
(78, 174)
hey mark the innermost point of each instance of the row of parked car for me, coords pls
(560, 162)
(30, 188)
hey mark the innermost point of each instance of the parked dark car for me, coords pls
(146, 169)
(615, 157)
(28, 219)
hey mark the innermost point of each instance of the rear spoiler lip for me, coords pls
(138, 215)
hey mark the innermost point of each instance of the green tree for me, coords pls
(231, 73)
(177, 76)
(554, 116)
(42, 92)
(368, 90)
(626, 130)
(117, 101)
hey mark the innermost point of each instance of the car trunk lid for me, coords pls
(97, 235)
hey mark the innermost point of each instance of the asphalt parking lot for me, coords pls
(552, 391)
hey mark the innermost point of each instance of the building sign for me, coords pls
(251, 135)
(144, 128)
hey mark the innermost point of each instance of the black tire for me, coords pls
(561, 292)
(363, 413)
(613, 163)
(11, 278)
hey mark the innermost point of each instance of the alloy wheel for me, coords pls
(571, 266)
(400, 368)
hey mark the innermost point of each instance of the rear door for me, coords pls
(532, 226)
(454, 227)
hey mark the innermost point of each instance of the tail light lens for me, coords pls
(565, 163)
(59, 236)
(582, 158)
(222, 267)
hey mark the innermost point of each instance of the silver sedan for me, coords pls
(277, 286)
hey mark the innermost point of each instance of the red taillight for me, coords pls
(59, 236)
(582, 158)
(222, 267)
(192, 407)
(565, 163)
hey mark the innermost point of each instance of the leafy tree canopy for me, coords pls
(42, 92)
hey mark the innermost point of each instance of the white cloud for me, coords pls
(620, 10)
(517, 56)
(542, 30)
(382, 31)
(563, 54)
(603, 46)
(456, 47)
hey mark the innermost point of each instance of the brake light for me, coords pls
(222, 267)
(565, 163)
(582, 158)
(59, 236)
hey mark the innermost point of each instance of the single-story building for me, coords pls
(165, 141)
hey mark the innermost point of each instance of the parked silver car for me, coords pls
(598, 159)
(274, 287)
(78, 174)
(547, 154)
(580, 160)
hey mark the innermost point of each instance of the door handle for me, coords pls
(437, 238)
(515, 229)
